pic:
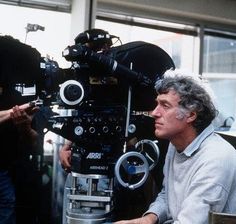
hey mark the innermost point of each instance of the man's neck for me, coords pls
(184, 139)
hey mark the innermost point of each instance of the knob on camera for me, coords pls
(71, 92)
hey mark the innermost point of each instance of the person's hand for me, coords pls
(65, 156)
(131, 221)
(16, 113)
(147, 219)
(22, 115)
(25, 106)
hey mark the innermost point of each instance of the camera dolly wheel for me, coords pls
(132, 170)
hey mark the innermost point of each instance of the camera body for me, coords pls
(110, 95)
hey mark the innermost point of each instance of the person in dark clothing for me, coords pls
(16, 135)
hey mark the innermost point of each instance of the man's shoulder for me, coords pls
(218, 148)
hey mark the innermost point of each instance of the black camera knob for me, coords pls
(92, 130)
(72, 92)
(118, 128)
(105, 129)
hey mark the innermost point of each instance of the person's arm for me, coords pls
(156, 213)
(159, 206)
(65, 156)
(6, 114)
(22, 118)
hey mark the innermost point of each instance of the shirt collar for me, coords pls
(198, 140)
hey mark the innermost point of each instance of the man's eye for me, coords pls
(166, 106)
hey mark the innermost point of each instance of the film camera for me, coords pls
(112, 97)
(108, 94)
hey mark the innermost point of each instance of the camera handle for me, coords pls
(135, 165)
(128, 114)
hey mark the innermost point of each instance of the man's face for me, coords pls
(170, 121)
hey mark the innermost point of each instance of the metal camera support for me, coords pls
(91, 205)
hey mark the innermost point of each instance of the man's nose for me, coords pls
(156, 112)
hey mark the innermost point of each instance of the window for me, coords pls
(219, 54)
(179, 46)
(219, 68)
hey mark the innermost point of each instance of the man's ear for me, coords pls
(191, 116)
